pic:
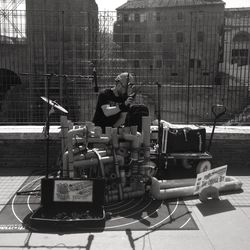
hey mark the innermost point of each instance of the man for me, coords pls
(113, 104)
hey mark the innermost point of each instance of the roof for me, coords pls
(237, 9)
(142, 4)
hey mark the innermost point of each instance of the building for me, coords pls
(174, 42)
(236, 58)
(63, 33)
(45, 37)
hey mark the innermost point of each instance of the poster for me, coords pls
(214, 177)
(73, 191)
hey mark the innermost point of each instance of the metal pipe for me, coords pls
(230, 184)
(115, 145)
(87, 163)
(71, 142)
(94, 161)
(165, 184)
(146, 135)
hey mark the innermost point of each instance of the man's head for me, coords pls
(123, 82)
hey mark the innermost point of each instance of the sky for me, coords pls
(113, 4)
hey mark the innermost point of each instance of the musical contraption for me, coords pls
(126, 159)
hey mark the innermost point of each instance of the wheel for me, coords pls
(203, 166)
(208, 192)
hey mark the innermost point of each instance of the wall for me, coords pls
(27, 153)
(25, 147)
(22, 146)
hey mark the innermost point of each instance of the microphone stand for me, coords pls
(51, 110)
(96, 89)
(159, 124)
(47, 127)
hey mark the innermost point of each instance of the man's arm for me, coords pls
(113, 110)
(110, 110)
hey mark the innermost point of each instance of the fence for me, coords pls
(187, 62)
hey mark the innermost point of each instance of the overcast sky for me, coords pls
(113, 4)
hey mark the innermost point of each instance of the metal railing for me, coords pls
(198, 59)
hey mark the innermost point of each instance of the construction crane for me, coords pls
(8, 11)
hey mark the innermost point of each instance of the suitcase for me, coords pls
(68, 204)
(185, 140)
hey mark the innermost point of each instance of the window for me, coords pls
(137, 38)
(242, 37)
(200, 36)
(131, 17)
(220, 29)
(158, 16)
(125, 18)
(179, 15)
(136, 63)
(143, 17)
(119, 17)
(240, 56)
(126, 38)
(158, 64)
(198, 63)
(194, 63)
(158, 38)
(137, 17)
(179, 37)
(191, 63)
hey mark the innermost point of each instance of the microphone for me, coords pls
(95, 80)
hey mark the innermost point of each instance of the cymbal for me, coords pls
(54, 104)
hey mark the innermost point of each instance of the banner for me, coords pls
(73, 191)
(214, 177)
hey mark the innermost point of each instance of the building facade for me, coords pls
(236, 58)
(174, 42)
(45, 37)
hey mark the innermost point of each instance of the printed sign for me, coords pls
(73, 191)
(11, 227)
(214, 177)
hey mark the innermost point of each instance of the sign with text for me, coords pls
(73, 191)
(214, 177)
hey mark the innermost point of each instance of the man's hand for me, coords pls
(52, 110)
(129, 101)
(124, 107)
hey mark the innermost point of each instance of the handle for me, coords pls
(218, 110)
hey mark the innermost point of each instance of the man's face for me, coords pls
(131, 90)
(122, 89)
